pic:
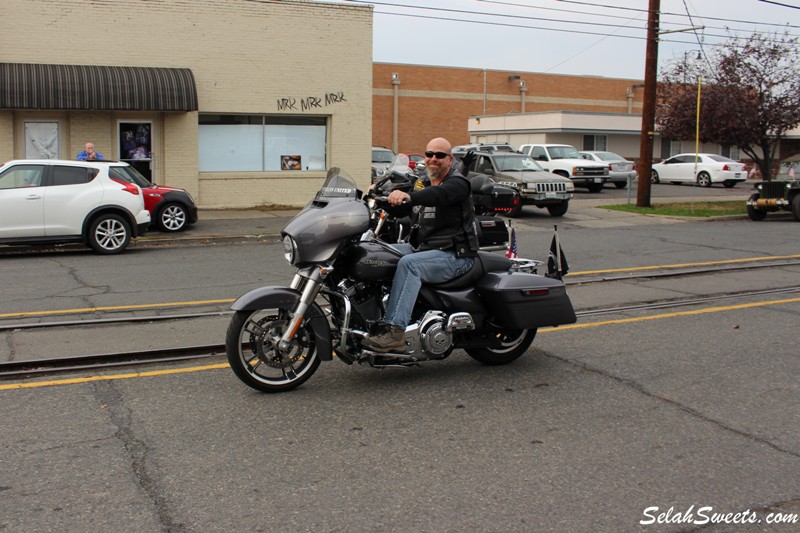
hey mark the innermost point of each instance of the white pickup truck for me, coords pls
(565, 160)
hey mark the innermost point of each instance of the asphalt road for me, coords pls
(617, 421)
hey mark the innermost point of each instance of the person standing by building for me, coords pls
(89, 154)
(443, 239)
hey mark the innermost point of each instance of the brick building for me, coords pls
(438, 101)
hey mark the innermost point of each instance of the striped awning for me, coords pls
(92, 87)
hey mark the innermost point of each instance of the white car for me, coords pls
(59, 201)
(710, 168)
(620, 170)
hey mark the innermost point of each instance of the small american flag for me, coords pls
(511, 249)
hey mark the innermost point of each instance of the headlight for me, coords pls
(380, 172)
(289, 249)
(570, 186)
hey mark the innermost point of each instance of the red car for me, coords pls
(171, 208)
(413, 159)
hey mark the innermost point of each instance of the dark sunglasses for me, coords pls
(438, 155)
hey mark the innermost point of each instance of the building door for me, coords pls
(135, 146)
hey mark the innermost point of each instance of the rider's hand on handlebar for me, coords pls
(398, 197)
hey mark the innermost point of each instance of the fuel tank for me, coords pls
(372, 261)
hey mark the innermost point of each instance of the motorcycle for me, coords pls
(278, 336)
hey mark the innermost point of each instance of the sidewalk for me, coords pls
(247, 225)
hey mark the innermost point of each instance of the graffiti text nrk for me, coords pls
(310, 102)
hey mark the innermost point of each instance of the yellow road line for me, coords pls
(73, 381)
(672, 315)
(719, 309)
(114, 308)
(684, 265)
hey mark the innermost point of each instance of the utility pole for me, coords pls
(648, 106)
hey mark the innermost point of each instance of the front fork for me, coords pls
(310, 281)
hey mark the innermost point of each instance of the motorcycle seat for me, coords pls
(484, 262)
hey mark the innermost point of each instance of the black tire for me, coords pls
(251, 346)
(729, 184)
(513, 345)
(172, 217)
(753, 212)
(595, 187)
(654, 177)
(558, 210)
(620, 184)
(704, 179)
(109, 234)
(796, 207)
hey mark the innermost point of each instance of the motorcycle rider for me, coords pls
(443, 241)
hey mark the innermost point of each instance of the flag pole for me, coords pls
(558, 250)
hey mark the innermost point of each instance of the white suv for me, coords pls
(44, 201)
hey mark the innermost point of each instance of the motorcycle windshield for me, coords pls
(338, 184)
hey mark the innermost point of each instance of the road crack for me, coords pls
(638, 387)
(121, 416)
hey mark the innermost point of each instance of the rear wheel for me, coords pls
(510, 346)
(753, 212)
(704, 179)
(558, 210)
(729, 184)
(109, 234)
(796, 207)
(253, 353)
(654, 177)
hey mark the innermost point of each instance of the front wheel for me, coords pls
(172, 217)
(510, 346)
(654, 177)
(255, 357)
(753, 212)
(796, 207)
(595, 187)
(558, 210)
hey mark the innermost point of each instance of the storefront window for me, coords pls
(258, 143)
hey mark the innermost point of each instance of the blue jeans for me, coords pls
(414, 269)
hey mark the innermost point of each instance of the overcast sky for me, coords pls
(595, 38)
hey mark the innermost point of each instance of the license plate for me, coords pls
(738, 174)
(598, 180)
(550, 195)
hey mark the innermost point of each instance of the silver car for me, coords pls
(620, 170)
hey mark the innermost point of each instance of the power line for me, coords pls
(543, 28)
(779, 4)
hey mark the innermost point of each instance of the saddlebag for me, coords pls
(492, 231)
(520, 300)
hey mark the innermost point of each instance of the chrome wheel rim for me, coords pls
(110, 234)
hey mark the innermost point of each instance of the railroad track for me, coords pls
(25, 369)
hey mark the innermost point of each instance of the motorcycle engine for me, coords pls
(365, 300)
(432, 335)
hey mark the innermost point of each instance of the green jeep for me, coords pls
(781, 194)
